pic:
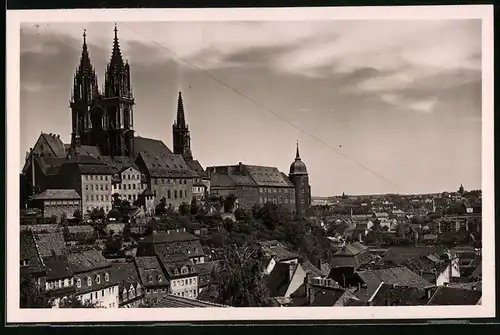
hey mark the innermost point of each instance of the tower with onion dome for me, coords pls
(300, 178)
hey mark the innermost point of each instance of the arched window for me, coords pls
(98, 279)
(78, 283)
(150, 279)
(106, 277)
(159, 278)
(89, 281)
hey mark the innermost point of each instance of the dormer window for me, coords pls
(159, 278)
(192, 269)
(98, 279)
(150, 279)
(176, 272)
(106, 277)
(78, 283)
(89, 281)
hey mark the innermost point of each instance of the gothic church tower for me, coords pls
(180, 131)
(104, 119)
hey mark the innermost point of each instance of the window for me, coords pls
(190, 281)
(155, 290)
(102, 187)
(25, 262)
(174, 283)
(86, 187)
(169, 195)
(66, 282)
(91, 187)
(159, 278)
(133, 186)
(107, 187)
(102, 197)
(101, 178)
(91, 177)
(119, 186)
(98, 279)
(86, 177)
(86, 198)
(89, 281)
(106, 277)
(102, 293)
(92, 197)
(150, 279)
(175, 194)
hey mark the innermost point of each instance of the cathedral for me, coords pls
(105, 157)
(103, 118)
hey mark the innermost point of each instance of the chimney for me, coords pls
(359, 286)
(58, 136)
(183, 230)
(240, 167)
(319, 263)
(307, 283)
(428, 292)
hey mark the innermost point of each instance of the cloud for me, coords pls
(424, 106)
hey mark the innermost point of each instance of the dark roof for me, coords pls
(396, 295)
(49, 244)
(29, 252)
(87, 260)
(205, 268)
(55, 143)
(196, 166)
(352, 249)
(82, 229)
(125, 274)
(277, 250)
(50, 165)
(94, 284)
(396, 276)
(468, 285)
(166, 166)
(57, 194)
(169, 237)
(399, 254)
(454, 296)
(88, 165)
(221, 180)
(311, 269)
(57, 267)
(149, 145)
(171, 301)
(90, 150)
(278, 280)
(326, 296)
(267, 176)
(150, 271)
(119, 163)
(478, 271)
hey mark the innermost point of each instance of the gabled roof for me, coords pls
(90, 150)
(396, 276)
(279, 278)
(169, 237)
(57, 267)
(49, 244)
(57, 194)
(149, 145)
(119, 163)
(454, 296)
(87, 260)
(196, 166)
(171, 301)
(221, 180)
(277, 250)
(396, 295)
(55, 144)
(267, 176)
(311, 269)
(125, 274)
(29, 252)
(150, 271)
(166, 166)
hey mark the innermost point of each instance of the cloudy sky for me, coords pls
(377, 106)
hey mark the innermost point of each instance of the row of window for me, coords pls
(95, 295)
(96, 187)
(156, 290)
(169, 181)
(129, 187)
(188, 294)
(92, 177)
(198, 189)
(132, 176)
(103, 197)
(89, 280)
(182, 282)
(54, 285)
(276, 190)
(277, 200)
(61, 202)
(131, 293)
(180, 194)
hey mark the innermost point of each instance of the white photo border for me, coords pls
(17, 315)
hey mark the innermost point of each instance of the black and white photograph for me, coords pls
(222, 160)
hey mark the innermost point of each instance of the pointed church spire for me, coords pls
(181, 118)
(85, 59)
(116, 56)
(297, 155)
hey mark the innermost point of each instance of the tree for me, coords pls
(66, 233)
(184, 209)
(240, 281)
(241, 215)
(73, 302)
(114, 244)
(31, 296)
(97, 214)
(229, 203)
(161, 207)
(195, 208)
(53, 219)
(127, 233)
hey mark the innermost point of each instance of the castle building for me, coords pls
(254, 185)
(300, 178)
(251, 184)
